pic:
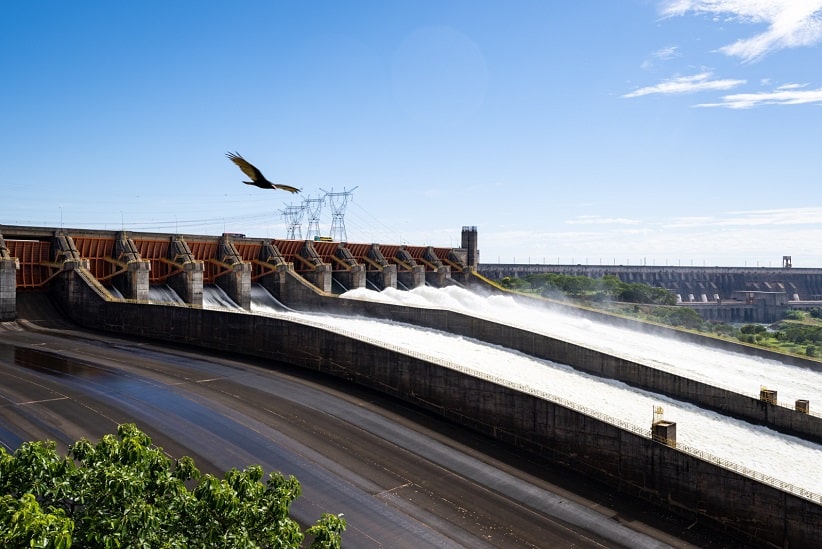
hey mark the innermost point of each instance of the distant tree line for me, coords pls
(608, 287)
(795, 334)
(793, 330)
(661, 303)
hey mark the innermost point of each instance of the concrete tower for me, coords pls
(469, 243)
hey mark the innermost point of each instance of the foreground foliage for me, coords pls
(124, 492)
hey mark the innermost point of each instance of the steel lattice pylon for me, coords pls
(338, 202)
(314, 207)
(294, 216)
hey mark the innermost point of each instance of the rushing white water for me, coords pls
(164, 294)
(260, 298)
(785, 458)
(215, 297)
(737, 372)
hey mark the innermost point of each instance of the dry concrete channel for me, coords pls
(402, 477)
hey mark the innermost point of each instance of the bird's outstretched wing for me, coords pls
(247, 168)
(288, 188)
(257, 178)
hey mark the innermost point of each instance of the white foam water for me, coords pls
(785, 458)
(164, 294)
(741, 373)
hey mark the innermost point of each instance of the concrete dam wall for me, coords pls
(626, 458)
(723, 294)
(722, 281)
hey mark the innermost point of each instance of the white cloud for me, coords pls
(791, 23)
(666, 53)
(597, 220)
(755, 218)
(737, 238)
(687, 84)
(679, 222)
(790, 94)
(663, 54)
(791, 86)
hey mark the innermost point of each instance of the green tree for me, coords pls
(513, 283)
(721, 328)
(800, 333)
(538, 281)
(643, 293)
(125, 492)
(609, 285)
(23, 523)
(678, 316)
(794, 315)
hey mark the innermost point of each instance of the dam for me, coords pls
(661, 469)
(727, 294)
(292, 269)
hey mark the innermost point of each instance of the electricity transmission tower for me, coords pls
(338, 202)
(314, 207)
(294, 216)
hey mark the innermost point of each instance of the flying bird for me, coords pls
(257, 178)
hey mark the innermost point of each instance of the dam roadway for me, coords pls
(402, 478)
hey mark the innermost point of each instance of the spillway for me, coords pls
(164, 294)
(215, 297)
(758, 449)
(737, 372)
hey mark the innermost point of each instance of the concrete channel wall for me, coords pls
(724, 401)
(623, 457)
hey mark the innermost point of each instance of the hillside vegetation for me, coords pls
(799, 333)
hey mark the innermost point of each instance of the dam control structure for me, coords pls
(291, 270)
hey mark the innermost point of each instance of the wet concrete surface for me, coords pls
(402, 478)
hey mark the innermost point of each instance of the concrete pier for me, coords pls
(350, 275)
(384, 274)
(134, 282)
(438, 274)
(237, 282)
(320, 274)
(188, 282)
(411, 275)
(8, 283)
(64, 251)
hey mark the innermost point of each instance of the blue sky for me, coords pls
(594, 131)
